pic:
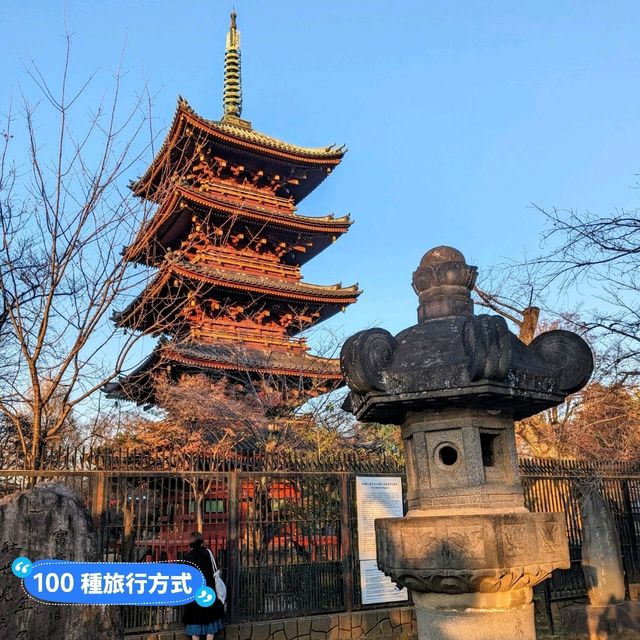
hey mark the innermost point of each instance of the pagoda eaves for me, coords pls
(143, 313)
(308, 166)
(173, 220)
(308, 375)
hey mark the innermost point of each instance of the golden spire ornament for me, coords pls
(232, 96)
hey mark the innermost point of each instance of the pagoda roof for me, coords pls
(171, 222)
(335, 293)
(237, 280)
(237, 128)
(236, 134)
(223, 359)
(220, 356)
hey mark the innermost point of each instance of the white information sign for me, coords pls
(376, 587)
(376, 497)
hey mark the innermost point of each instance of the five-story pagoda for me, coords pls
(228, 297)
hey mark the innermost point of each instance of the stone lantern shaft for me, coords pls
(468, 548)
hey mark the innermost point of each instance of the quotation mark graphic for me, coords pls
(206, 596)
(21, 567)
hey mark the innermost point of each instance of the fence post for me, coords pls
(98, 504)
(233, 557)
(345, 543)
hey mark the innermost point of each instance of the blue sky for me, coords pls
(457, 115)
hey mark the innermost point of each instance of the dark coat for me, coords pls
(193, 612)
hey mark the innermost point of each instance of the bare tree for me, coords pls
(600, 256)
(65, 215)
(525, 319)
(601, 423)
(254, 411)
(519, 298)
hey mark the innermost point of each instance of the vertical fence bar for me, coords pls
(633, 565)
(345, 543)
(233, 557)
(98, 497)
(98, 493)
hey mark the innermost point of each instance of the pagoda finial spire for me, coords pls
(232, 96)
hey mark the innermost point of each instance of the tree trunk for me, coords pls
(529, 324)
(199, 504)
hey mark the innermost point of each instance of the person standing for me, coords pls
(202, 621)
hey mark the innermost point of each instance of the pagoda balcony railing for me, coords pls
(246, 193)
(263, 338)
(246, 264)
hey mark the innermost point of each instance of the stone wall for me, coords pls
(49, 521)
(382, 624)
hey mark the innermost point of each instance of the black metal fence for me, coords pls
(551, 485)
(284, 527)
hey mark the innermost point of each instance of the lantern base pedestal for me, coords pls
(481, 616)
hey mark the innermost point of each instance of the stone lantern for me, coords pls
(468, 548)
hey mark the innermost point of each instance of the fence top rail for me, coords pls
(538, 467)
(189, 475)
(69, 459)
(103, 459)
